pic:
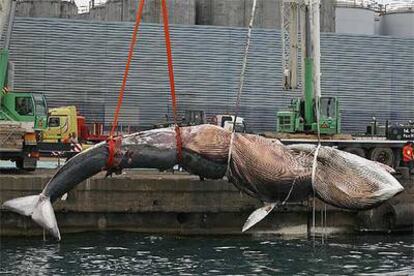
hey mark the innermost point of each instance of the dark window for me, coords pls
(54, 122)
(224, 119)
(40, 102)
(24, 106)
(328, 107)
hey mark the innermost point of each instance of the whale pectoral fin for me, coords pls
(258, 215)
(22, 205)
(64, 197)
(44, 215)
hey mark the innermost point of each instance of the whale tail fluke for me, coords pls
(39, 208)
(22, 205)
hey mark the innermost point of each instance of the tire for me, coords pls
(19, 164)
(29, 166)
(357, 151)
(382, 155)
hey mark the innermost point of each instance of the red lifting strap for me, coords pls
(171, 75)
(111, 141)
(130, 54)
(111, 149)
(114, 147)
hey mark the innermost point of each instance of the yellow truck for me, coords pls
(62, 122)
(65, 122)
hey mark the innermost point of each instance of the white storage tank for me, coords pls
(398, 20)
(236, 13)
(355, 17)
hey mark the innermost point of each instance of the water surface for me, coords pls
(119, 253)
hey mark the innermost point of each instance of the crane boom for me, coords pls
(289, 32)
(294, 36)
(301, 38)
(4, 14)
(7, 13)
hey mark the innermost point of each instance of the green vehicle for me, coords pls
(22, 115)
(302, 114)
(296, 120)
(24, 107)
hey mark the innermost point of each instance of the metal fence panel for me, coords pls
(81, 62)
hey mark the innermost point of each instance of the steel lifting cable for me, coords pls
(114, 143)
(241, 82)
(317, 107)
(171, 77)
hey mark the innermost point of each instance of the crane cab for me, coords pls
(293, 120)
(24, 107)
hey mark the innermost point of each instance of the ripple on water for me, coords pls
(137, 254)
(389, 253)
(115, 248)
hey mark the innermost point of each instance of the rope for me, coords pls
(171, 77)
(290, 192)
(241, 82)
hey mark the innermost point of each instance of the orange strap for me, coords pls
(111, 149)
(114, 147)
(130, 54)
(112, 143)
(171, 75)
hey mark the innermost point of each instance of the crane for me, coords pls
(301, 38)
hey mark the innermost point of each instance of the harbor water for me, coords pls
(119, 253)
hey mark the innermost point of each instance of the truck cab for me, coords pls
(65, 121)
(62, 122)
(227, 122)
(24, 107)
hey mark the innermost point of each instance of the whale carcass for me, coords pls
(262, 168)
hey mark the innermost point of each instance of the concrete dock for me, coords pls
(162, 202)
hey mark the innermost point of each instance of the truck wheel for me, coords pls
(27, 164)
(383, 155)
(356, 151)
(19, 164)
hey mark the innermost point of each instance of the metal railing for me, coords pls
(365, 4)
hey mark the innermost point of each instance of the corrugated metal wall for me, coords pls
(80, 62)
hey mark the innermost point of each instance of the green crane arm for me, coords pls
(10, 9)
(4, 59)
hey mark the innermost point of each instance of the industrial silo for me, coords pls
(232, 13)
(398, 20)
(46, 8)
(227, 13)
(267, 13)
(179, 12)
(355, 17)
(236, 13)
